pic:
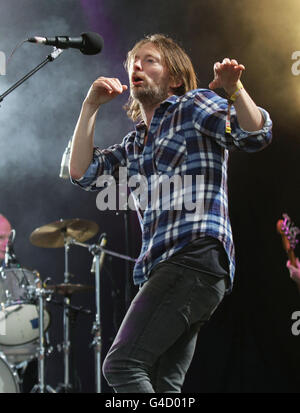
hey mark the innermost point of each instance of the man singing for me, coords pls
(186, 262)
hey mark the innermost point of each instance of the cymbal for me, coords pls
(53, 235)
(69, 289)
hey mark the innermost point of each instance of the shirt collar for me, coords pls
(171, 99)
(164, 105)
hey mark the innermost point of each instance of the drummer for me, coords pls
(5, 229)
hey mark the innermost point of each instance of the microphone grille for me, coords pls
(93, 43)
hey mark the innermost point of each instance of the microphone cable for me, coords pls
(14, 50)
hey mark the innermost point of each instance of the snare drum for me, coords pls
(19, 317)
(9, 381)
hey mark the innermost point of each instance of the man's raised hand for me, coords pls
(226, 75)
(103, 90)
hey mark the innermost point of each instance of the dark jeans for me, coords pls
(156, 341)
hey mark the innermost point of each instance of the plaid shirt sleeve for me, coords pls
(210, 118)
(104, 162)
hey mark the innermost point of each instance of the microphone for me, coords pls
(65, 160)
(88, 43)
(9, 249)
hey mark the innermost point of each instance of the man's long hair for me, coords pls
(176, 60)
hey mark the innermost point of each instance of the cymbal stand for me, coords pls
(66, 386)
(99, 253)
(98, 261)
(41, 294)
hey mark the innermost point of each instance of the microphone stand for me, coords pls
(52, 56)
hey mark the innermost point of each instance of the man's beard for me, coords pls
(150, 95)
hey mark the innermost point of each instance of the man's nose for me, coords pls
(137, 64)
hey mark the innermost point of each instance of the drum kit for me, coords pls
(24, 316)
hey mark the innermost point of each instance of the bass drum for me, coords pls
(8, 378)
(19, 354)
(19, 317)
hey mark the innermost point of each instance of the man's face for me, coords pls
(5, 229)
(149, 78)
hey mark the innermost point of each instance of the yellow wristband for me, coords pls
(237, 91)
(231, 100)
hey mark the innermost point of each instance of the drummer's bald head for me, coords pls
(4, 223)
(5, 229)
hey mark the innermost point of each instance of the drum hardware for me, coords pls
(9, 379)
(18, 314)
(69, 321)
(69, 289)
(97, 265)
(10, 256)
(66, 387)
(98, 251)
(98, 260)
(7, 295)
(61, 234)
(20, 368)
(65, 233)
(54, 235)
(40, 294)
(60, 237)
(74, 310)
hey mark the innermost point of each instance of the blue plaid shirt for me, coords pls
(186, 138)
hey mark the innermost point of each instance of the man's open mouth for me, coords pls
(136, 80)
